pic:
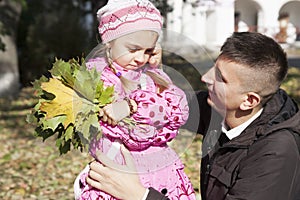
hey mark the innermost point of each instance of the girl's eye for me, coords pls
(132, 50)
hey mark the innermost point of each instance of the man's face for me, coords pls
(133, 51)
(224, 86)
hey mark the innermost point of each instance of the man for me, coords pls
(257, 155)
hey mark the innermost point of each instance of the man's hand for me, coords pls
(121, 181)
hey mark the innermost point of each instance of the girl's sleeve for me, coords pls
(157, 120)
(167, 109)
(159, 116)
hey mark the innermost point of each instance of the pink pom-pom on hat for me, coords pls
(121, 17)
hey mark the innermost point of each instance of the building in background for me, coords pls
(210, 22)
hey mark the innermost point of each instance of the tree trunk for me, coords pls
(9, 74)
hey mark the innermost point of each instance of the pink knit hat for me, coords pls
(121, 17)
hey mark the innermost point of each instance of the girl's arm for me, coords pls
(158, 116)
(156, 121)
(168, 109)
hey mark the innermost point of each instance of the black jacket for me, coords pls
(262, 163)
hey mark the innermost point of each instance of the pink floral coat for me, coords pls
(156, 122)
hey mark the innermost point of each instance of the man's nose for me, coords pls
(208, 77)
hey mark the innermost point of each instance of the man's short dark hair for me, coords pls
(260, 53)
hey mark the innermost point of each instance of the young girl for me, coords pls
(154, 108)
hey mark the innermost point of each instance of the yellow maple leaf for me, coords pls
(66, 101)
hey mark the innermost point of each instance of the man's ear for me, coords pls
(250, 101)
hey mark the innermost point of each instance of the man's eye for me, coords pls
(219, 76)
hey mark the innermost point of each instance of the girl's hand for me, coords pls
(115, 112)
(121, 181)
(155, 58)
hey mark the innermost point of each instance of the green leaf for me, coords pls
(84, 79)
(106, 96)
(37, 85)
(65, 71)
(53, 123)
(69, 104)
(44, 133)
(30, 118)
(69, 133)
(88, 125)
(65, 147)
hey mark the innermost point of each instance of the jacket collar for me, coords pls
(281, 112)
(234, 132)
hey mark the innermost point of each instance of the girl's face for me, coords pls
(133, 51)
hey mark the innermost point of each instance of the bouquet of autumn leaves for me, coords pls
(69, 104)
